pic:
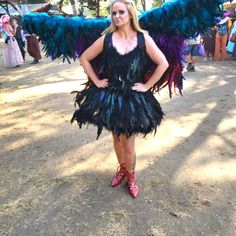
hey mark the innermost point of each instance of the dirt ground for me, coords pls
(55, 178)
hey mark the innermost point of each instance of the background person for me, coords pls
(33, 48)
(19, 36)
(231, 48)
(209, 42)
(222, 35)
(191, 51)
(11, 53)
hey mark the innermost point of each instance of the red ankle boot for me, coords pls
(120, 175)
(132, 185)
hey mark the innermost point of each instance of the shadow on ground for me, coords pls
(55, 178)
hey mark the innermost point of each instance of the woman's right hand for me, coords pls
(101, 83)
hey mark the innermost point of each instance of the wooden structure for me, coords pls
(5, 5)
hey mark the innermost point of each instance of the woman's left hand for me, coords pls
(140, 87)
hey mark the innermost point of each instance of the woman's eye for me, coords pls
(121, 12)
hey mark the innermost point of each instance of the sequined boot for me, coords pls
(120, 175)
(132, 185)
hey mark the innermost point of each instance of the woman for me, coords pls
(221, 38)
(33, 47)
(231, 47)
(11, 53)
(119, 99)
(19, 36)
(191, 51)
(209, 42)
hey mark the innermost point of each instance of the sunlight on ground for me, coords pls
(27, 103)
(228, 124)
(223, 164)
(207, 172)
(210, 82)
(17, 144)
(218, 170)
(39, 91)
(177, 130)
(70, 165)
(29, 110)
(67, 169)
(53, 173)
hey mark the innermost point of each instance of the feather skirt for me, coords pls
(134, 113)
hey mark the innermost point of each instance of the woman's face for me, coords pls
(14, 22)
(120, 14)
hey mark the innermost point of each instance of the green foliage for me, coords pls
(89, 8)
(157, 3)
(66, 2)
(36, 1)
(104, 8)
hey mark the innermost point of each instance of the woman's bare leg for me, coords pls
(188, 58)
(120, 154)
(193, 59)
(130, 162)
(119, 150)
(125, 152)
(128, 146)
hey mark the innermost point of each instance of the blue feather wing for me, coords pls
(170, 25)
(64, 37)
(182, 17)
(68, 37)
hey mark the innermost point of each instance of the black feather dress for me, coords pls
(118, 108)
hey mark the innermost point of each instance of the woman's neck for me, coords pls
(126, 32)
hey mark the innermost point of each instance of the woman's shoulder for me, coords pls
(107, 37)
(100, 39)
(147, 38)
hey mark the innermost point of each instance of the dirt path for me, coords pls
(55, 178)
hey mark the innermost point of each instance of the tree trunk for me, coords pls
(74, 10)
(98, 8)
(143, 2)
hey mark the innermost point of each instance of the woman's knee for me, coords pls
(128, 143)
(116, 141)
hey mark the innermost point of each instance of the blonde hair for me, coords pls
(133, 13)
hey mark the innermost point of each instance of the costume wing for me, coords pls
(67, 37)
(64, 37)
(171, 24)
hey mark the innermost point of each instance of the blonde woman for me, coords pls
(120, 99)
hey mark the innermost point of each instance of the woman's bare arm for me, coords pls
(93, 51)
(159, 59)
(10, 29)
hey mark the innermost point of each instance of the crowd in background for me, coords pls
(15, 40)
(217, 44)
